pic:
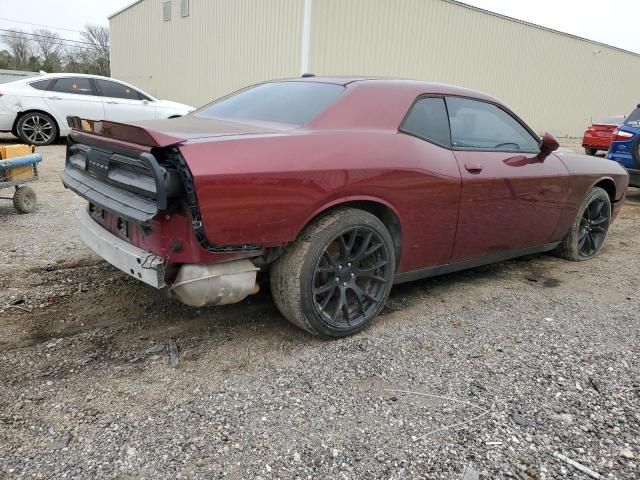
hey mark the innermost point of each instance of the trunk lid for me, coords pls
(191, 127)
(130, 169)
(172, 131)
(603, 127)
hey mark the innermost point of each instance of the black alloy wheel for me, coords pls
(350, 276)
(594, 225)
(337, 275)
(589, 230)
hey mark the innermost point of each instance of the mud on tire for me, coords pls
(350, 247)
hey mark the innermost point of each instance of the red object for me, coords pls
(599, 135)
(259, 185)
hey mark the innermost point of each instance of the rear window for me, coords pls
(634, 119)
(428, 120)
(40, 84)
(294, 103)
(617, 120)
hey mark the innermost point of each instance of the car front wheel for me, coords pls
(37, 128)
(337, 275)
(590, 151)
(589, 229)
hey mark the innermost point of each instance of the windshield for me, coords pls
(634, 119)
(295, 103)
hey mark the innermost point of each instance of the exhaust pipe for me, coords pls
(218, 284)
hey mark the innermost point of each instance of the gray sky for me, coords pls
(615, 23)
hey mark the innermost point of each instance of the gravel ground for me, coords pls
(481, 374)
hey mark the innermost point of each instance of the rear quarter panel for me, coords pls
(16, 99)
(265, 189)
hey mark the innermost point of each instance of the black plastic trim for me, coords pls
(634, 177)
(472, 263)
(114, 199)
(93, 176)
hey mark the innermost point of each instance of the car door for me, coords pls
(510, 198)
(73, 96)
(432, 221)
(123, 103)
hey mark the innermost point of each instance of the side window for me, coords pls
(428, 120)
(79, 85)
(484, 126)
(118, 90)
(40, 84)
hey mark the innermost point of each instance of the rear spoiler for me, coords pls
(124, 132)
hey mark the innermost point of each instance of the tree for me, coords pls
(20, 46)
(48, 49)
(94, 58)
(6, 60)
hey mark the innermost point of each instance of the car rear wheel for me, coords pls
(337, 275)
(37, 128)
(590, 151)
(589, 230)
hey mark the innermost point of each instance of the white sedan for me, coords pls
(36, 108)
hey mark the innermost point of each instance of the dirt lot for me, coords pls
(529, 357)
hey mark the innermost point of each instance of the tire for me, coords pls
(310, 281)
(25, 200)
(589, 229)
(37, 128)
(590, 151)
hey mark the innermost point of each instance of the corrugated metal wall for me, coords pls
(221, 46)
(555, 82)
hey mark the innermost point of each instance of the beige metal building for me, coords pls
(194, 51)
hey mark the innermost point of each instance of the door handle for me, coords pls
(112, 103)
(55, 98)
(473, 167)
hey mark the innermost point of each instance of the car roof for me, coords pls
(62, 75)
(417, 86)
(45, 76)
(51, 76)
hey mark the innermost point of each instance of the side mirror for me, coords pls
(548, 145)
(145, 102)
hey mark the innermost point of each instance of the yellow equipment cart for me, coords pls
(19, 166)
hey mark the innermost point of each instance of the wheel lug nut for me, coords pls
(339, 267)
(337, 279)
(344, 284)
(353, 275)
(348, 265)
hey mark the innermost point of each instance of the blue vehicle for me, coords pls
(625, 147)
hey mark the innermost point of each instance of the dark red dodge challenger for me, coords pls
(338, 187)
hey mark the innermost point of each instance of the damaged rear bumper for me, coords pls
(195, 285)
(145, 266)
